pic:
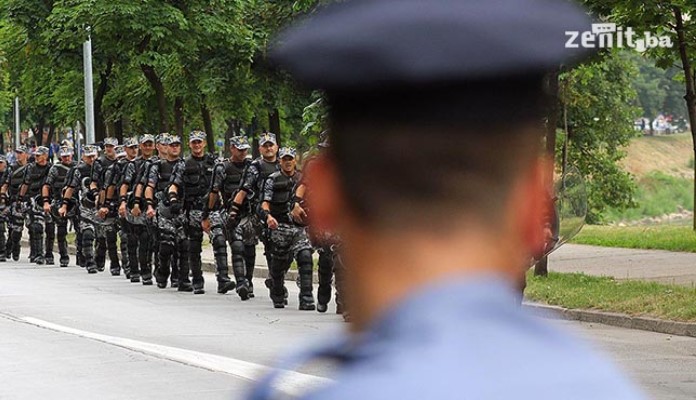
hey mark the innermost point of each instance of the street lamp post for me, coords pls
(89, 95)
(16, 121)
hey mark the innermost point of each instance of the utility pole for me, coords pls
(89, 94)
(16, 121)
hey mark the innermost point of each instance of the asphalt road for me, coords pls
(65, 334)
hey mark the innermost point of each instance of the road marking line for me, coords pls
(293, 383)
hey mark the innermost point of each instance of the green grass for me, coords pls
(657, 237)
(657, 194)
(635, 298)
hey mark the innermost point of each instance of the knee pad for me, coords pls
(195, 235)
(304, 259)
(87, 234)
(37, 228)
(237, 248)
(219, 244)
(195, 246)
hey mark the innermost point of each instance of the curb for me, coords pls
(613, 319)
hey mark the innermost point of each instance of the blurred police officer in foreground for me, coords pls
(441, 215)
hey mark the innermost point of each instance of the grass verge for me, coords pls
(635, 298)
(657, 237)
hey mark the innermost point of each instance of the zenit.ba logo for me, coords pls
(608, 35)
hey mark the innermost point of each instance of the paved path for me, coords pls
(654, 265)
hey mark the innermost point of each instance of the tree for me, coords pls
(673, 18)
(596, 101)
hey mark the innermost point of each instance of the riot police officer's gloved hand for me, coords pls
(92, 194)
(174, 203)
(233, 216)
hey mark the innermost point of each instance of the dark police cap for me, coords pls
(363, 44)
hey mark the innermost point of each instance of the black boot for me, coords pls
(304, 268)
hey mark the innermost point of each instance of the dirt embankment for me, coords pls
(670, 154)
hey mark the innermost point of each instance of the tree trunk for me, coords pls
(541, 267)
(158, 87)
(274, 124)
(179, 116)
(208, 124)
(51, 132)
(690, 96)
(38, 134)
(118, 129)
(99, 123)
(255, 138)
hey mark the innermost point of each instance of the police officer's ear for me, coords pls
(324, 195)
(529, 204)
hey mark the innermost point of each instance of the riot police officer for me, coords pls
(130, 206)
(326, 244)
(171, 236)
(287, 239)
(16, 223)
(108, 211)
(4, 209)
(251, 190)
(227, 178)
(30, 194)
(81, 192)
(52, 192)
(190, 182)
(105, 229)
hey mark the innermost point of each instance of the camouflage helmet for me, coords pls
(266, 138)
(110, 141)
(324, 140)
(65, 151)
(146, 138)
(120, 151)
(240, 142)
(173, 139)
(287, 152)
(41, 151)
(162, 138)
(197, 135)
(21, 149)
(131, 142)
(90, 150)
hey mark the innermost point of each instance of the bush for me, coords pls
(658, 194)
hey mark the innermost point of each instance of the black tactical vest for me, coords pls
(233, 178)
(16, 178)
(36, 179)
(105, 164)
(165, 174)
(60, 179)
(85, 172)
(283, 192)
(197, 176)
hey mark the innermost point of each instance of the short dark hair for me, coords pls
(401, 163)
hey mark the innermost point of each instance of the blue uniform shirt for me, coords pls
(463, 339)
